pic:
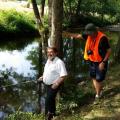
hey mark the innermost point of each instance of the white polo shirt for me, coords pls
(53, 70)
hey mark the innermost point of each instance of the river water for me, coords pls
(16, 59)
(18, 74)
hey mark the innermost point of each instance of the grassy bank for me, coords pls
(15, 24)
(108, 108)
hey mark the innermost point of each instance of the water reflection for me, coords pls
(18, 72)
(16, 60)
(2, 115)
(5, 111)
(28, 106)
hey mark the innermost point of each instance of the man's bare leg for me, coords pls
(97, 86)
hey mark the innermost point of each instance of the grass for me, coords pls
(108, 107)
(16, 20)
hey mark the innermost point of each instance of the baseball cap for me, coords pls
(90, 29)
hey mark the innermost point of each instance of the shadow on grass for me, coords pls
(112, 91)
(117, 117)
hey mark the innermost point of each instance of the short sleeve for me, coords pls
(62, 69)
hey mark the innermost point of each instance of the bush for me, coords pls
(72, 96)
(16, 22)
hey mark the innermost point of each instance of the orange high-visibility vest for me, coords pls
(93, 46)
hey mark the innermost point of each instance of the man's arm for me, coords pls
(72, 35)
(59, 81)
(105, 49)
(62, 75)
(107, 55)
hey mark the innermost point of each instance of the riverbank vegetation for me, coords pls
(108, 107)
(77, 101)
(18, 23)
(14, 24)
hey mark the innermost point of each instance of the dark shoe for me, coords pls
(49, 116)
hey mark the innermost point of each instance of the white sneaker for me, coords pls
(98, 96)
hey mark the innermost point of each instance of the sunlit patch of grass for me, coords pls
(25, 116)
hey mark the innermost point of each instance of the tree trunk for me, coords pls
(78, 7)
(42, 48)
(56, 23)
(49, 14)
(36, 12)
(42, 7)
(42, 32)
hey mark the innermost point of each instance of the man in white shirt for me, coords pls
(53, 76)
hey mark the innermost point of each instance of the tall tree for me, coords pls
(42, 32)
(78, 7)
(56, 23)
(49, 13)
(41, 47)
(42, 7)
(36, 12)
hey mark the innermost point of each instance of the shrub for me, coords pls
(16, 22)
(72, 96)
(25, 116)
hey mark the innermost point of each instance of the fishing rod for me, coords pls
(18, 83)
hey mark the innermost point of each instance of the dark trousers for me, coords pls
(50, 102)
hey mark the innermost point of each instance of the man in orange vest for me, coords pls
(97, 51)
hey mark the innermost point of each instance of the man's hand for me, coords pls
(40, 79)
(57, 82)
(101, 66)
(72, 35)
(55, 85)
